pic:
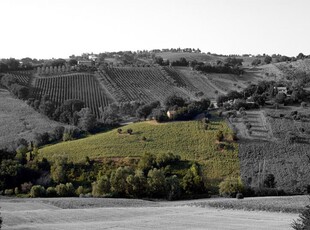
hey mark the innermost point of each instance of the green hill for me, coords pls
(187, 139)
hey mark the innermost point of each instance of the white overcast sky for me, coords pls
(59, 28)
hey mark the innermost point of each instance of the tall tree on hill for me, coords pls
(87, 121)
(174, 100)
(267, 59)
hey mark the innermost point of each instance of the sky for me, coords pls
(60, 28)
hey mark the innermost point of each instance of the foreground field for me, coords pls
(18, 120)
(135, 214)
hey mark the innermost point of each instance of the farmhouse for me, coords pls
(86, 63)
(171, 113)
(282, 90)
(250, 100)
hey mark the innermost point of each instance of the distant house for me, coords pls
(92, 57)
(171, 113)
(282, 90)
(250, 100)
(89, 63)
(214, 104)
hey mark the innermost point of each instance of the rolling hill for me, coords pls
(187, 139)
(18, 120)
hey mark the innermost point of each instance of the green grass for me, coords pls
(187, 139)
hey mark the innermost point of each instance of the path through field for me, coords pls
(135, 214)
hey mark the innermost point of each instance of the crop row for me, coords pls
(138, 84)
(21, 77)
(79, 86)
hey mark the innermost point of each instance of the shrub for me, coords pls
(16, 191)
(101, 187)
(163, 159)
(80, 190)
(239, 196)
(269, 181)
(303, 104)
(51, 192)
(65, 190)
(304, 220)
(37, 191)
(8, 192)
(156, 183)
(219, 135)
(25, 187)
(231, 186)
(192, 181)
(129, 131)
(173, 188)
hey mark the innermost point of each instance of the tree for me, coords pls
(269, 181)
(129, 131)
(268, 59)
(58, 132)
(58, 169)
(303, 222)
(219, 135)
(101, 187)
(174, 100)
(137, 184)
(192, 181)
(230, 186)
(300, 56)
(280, 97)
(87, 121)
(173, 188)
(118, 180)
(156, 183)
(73, 62)
(145, 110)
(37, 191)
(47, 108)
(256, 62)
(12, 64)
(0, 221)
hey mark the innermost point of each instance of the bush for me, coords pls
(8, 192)
(26, 187)
(231, 186)
(51, 192)
(65, 190)
(37, 191)
(239, 196)
(101, 187)
(304, 220)
(219, 135)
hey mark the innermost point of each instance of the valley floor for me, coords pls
(91, 213)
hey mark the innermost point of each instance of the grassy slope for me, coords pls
(18, 120)
(187, 139)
